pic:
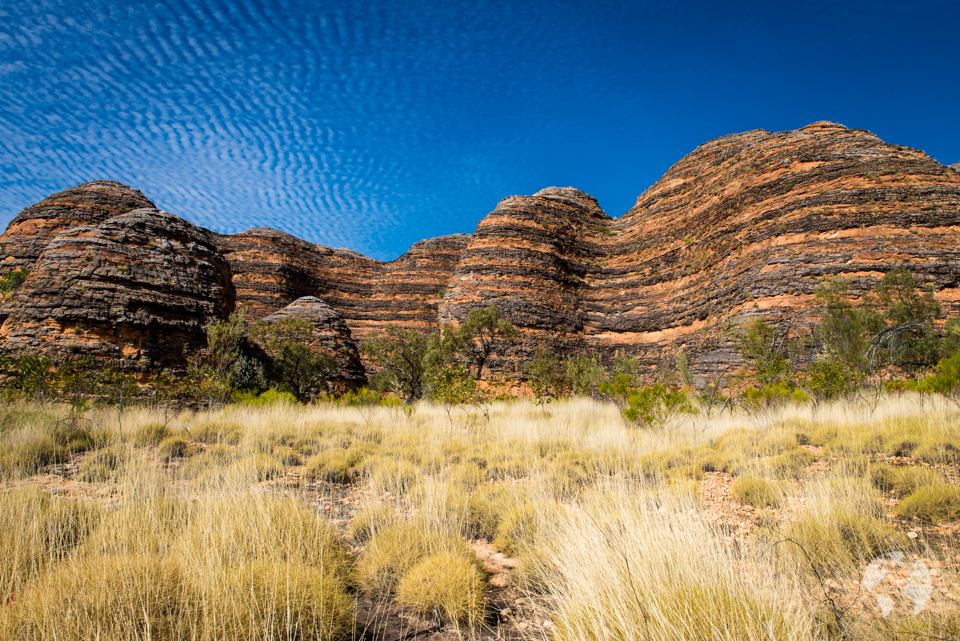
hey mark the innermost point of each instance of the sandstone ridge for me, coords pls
(744, 225)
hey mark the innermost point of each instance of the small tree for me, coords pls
(845, 331)
(584, 375)
(656, 404)
(223, 340)
(766, 348)
(909, 308)
(402, 355)
(545, 375)
(481, 332)
(13, 279)
(300, 370)
(452, 387)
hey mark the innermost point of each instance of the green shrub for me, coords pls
(756, 491)
(448, 585)
(13, 279)
(934, 503)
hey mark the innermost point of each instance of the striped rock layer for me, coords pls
(746, 224)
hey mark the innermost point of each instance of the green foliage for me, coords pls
(830, 378)
(845, 330)
(545, 375)
(299, 370)
(223, 340)
(13, 279)
(648, 406)
(619, 389)
(248, 373)
(584, 375)
(770, 395)
(26, 375)
(265, 399)
(402, 356)
(944, 380)
(654, 405)
(766, 348)
(481, 332)
(904, 299)
(294, 367)
(453, 385)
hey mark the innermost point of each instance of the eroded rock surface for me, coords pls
(744, 225)
(272, 268)
(89, 204)
(133, 291)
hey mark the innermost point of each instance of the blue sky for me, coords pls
(372, 124)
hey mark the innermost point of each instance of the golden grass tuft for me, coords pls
(934, 503)
(448, 585)
(757, 491)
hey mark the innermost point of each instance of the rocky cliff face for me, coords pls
(272, 268)
(746, 224)
(88, 204)
(133, 291)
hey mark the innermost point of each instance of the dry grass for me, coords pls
(199, 542)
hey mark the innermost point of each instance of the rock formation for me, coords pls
(330, 336)
(745, 225)
(88, 204)
(133, 291)
(272, 268)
